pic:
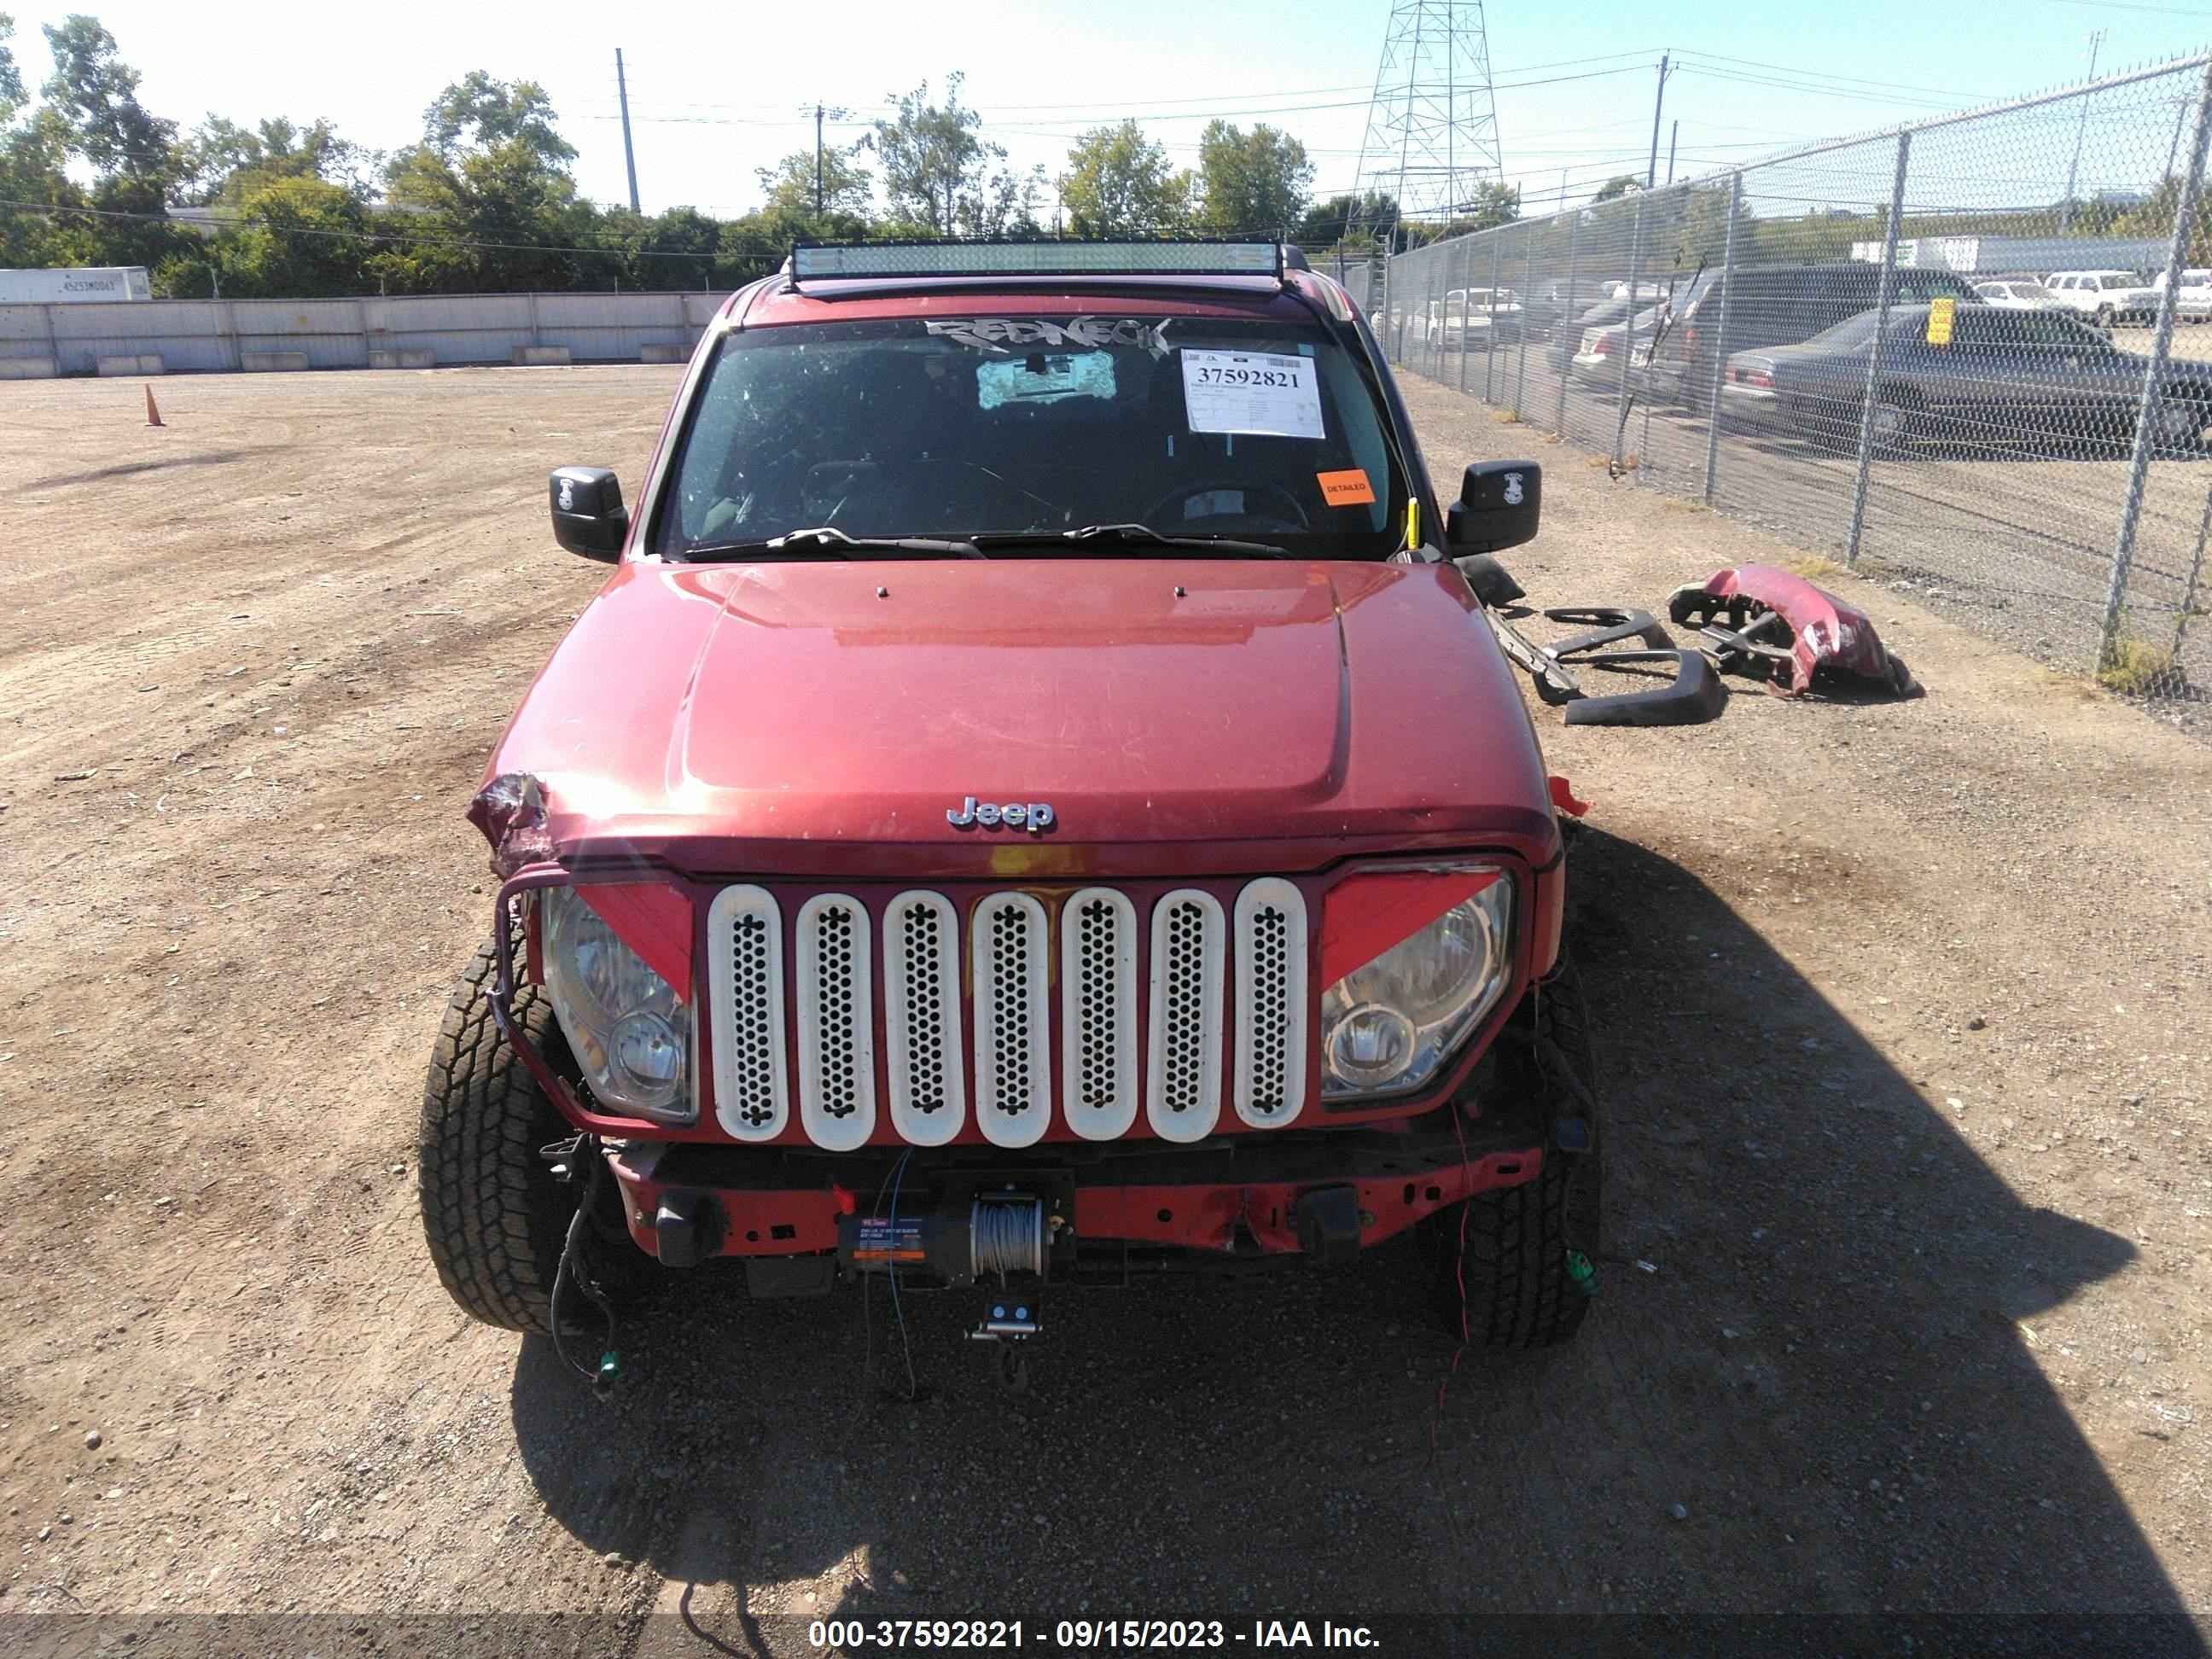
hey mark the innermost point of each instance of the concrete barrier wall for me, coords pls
(211, 335)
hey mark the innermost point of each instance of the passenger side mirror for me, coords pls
(588, 514)
(1498, 506)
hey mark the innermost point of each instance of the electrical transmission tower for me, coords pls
(1433, 130)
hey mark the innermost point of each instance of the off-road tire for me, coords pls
(494, 1215)
(1520, 1292)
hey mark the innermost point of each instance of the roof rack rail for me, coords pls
(907, 261)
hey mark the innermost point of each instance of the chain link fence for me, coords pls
(1971, 359)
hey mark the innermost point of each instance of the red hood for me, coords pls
(773, 717)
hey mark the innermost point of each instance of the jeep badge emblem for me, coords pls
(568, 495)
(1513, 489)
(1036, 816)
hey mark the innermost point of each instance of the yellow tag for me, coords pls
(1413, 521)
(1940, 314)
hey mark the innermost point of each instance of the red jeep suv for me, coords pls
(1035, 799)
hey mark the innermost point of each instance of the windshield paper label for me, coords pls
(1001, 333)
(1254, 391)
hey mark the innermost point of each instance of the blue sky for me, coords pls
(717, 89)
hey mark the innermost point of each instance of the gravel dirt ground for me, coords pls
(1904, 1009)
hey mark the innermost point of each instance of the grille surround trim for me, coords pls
(1013, 1032)
(916, 1125)
(1184, 1057)
(752, 1088)
(1276, 1058)
(1093, 1018)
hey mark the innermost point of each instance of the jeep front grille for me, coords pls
(1222, 1010)
(745, 978)
(922, 1018)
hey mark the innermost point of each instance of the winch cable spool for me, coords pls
(1008, 1235)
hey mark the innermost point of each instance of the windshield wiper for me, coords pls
(828, 540)
(1142, 534)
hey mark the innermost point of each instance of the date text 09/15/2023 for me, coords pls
(1085, 1635)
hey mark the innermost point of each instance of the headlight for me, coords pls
(628, 1030)
(1391, 1024)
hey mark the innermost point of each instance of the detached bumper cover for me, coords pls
(1819, 634)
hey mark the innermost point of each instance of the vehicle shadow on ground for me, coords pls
(1805, 1386)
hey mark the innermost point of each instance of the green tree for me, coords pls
(33, 154)
(96, 95)
(227, 162)
(1494, 203)
(1620, 185)
(940, 178)
(849, 189)
(299, 236)
(12, 95)
(1120, 184)
(477, 114)
(1255, 183)
(486, 200)
(1359, 221)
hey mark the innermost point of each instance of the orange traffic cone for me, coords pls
(153, 410)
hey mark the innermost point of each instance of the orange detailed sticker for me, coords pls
(1346, 489)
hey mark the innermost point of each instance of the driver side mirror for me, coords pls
(1499, 505)
(588, 514)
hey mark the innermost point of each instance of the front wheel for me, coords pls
(494, 1216)
(1516, 1262)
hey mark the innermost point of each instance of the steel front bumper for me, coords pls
(686, 1202)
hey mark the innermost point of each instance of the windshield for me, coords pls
(1230, 427)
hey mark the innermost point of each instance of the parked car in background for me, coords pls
(1478, 318)
(1779, 305)
(2004, 378)
(1603, 346)
(2015, 293)
(2192, 296)
(1575, 346)
(1550, 305)
(2103, 296)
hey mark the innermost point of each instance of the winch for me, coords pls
(957, 1240)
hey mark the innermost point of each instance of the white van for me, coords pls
(2192, 297)
(2103, 296)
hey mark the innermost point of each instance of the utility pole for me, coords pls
(629, 156)
(2081, 129)
(817, 161)
(1651, 169)
(1674, 133)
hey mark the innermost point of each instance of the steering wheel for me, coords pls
(1296, 520)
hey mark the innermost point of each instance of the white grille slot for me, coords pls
(1183, 1072)
(837, 1023)
(922, 1018)
(1098, 1014)
(1270, 1003)
(745, 982)
(1009, 943)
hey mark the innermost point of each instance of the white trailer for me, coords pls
(79, 286)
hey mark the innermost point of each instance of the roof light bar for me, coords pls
(907, 259)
